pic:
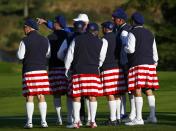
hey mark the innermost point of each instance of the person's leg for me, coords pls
(123, 95)
(132, 114)
(118, 103)
(69, 110)
(151, 102)
(43, 109)
(123, 105)
(57, 104)
(29, 111)
(76, 109)
(112, 107)
(139, 104)
(88, 112)
(93, 110)
(82, 110)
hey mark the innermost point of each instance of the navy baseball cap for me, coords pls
(137, 18)
(31, 23)
(120, 13)
(92, 27)
(61, 20)
(108, 25)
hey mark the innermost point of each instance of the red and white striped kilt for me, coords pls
(58, 80)
(113, 81)
(35, 83)
(86, 85)
(142, 76)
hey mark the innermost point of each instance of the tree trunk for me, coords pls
(26, 8)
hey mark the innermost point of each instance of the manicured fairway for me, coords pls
(12, 103)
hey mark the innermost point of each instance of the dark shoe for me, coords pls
(119, 121)
(111, 123)
(123, 116)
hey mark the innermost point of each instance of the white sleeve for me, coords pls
(69, 56)
(103, 52)
(131, 43)
(124, 37)
(61, 52)
(48, 54)
(21, 51)
(155, 52)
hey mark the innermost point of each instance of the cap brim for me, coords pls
(78, 19)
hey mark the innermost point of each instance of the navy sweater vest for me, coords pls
(86, 54)
(36, 47)
(144, 47)
(127, 28)
(111, 60)
(56, 39)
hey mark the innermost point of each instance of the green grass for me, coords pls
(12, 105)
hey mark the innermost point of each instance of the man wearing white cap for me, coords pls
(84, 18)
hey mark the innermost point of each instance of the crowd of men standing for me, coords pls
(77, 63)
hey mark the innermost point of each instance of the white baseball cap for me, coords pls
(82, 17)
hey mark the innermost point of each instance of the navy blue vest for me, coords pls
(86, 54)
(144, 47)
(72, 36)
(36, 47)
(111, 60)
(127, 28)
(56, 39)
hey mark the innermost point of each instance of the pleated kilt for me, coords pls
(85, 85)
(35, 83)
(142, 76)
(113, 81)
(58, 81)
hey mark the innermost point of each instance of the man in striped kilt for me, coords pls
(33, 51)
(78, 30)
(112, 75)
(57, 78)
(84, 18)
(85, 54)
(121, 30)
(143, 58)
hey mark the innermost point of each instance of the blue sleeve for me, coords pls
(49, 24)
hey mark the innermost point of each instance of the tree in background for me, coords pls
(159, 16)
(26, 8)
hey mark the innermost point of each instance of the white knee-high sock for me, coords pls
(29, 111)
(88, 110)
(43, 109)
(118, 108)
(112, 109)
(132, 107)
(93, 110)
(123, 104)
(76, 111)
(69, 110)
(151, 102)
(139, 105)
(57, 104)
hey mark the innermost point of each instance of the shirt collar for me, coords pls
(138, 26)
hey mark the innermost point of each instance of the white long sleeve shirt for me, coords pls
(62, 50)
(21, 51)
(103, 52)
(69, 56)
